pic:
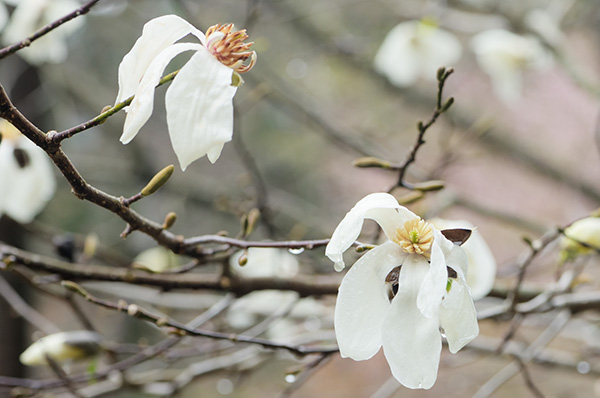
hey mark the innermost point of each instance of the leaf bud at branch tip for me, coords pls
(74, 287)
(411, 198)
(440, 73)
(170, 219)
(447, 105)
(158, 180)
(250, 220)
(243, 259)
(428, 186)
(370, 161)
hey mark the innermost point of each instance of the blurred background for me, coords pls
(518, 152)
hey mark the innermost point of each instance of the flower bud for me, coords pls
(427, 186)
(580, 238)
(370, 161)
(158, 180)
(61, 347)
(170, 219)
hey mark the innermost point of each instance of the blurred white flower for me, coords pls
(61, 347)
(262, 263)
(31, 15)
(586, 231)
(504, 56)
(399, 294)
(26, 178)
(482, 264)
(156, 259)
(199, 100)
(416, 49)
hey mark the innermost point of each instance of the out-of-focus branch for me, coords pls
(16, 302)
(82, 272)
(84, 9)
(138, 312)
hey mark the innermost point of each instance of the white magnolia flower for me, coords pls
(26, 179)
(61, 347)
(199, 100)
(262, 263)
(31, 15)
(482, 264)
(401, 293)
(416, 49)
(504, 56)
(586, 231)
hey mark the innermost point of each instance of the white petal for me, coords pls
(362, 302)
(381, 207)
(200, 108)
(481, 272)
(458, 317)
(415, 49)
(140, 109)
(411, 341)
(25, 190)
(396, 58)
(157, 35)
(433, 287)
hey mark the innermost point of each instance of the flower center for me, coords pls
(229, 47)
(416, 236)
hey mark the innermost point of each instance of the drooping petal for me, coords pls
(412, 341)
(381, 207)
(28, 184)
(157, 35)
(140, 109)
(362, 302)
(457, 316)
(433, 287)
(200, 108)
(481, 272)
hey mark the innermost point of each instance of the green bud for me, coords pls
(411, 198)
(170, 219)
(447, 105)
(427, 186)
(158, 180)
(243, 259)
(370, 161)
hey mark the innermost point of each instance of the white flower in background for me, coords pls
(399, 294)
(199, 100)
(26, 178)
(504, 56)
(30, 16)
(482, 264)
(586, 231)
(262, 263)
(416, 49)
(61, 347)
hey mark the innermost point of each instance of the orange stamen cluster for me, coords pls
(416, 236)
(229, 47)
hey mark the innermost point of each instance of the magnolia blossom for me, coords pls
(199, 100)
(416, 49)
(30, 16)
(482, 264)
(581, 238)
(26, 179)
(400, 294)
(504, 56)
